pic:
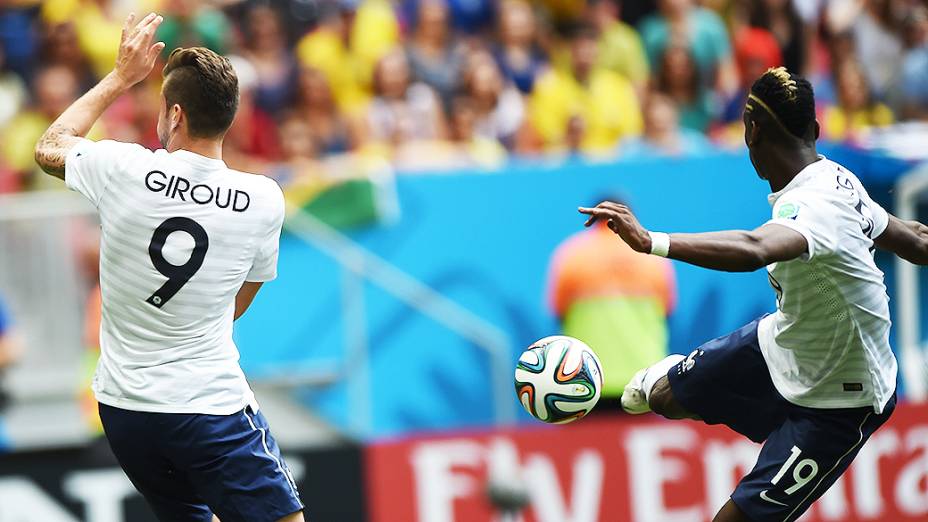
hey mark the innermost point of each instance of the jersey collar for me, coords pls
(197, 159)
(799, 180)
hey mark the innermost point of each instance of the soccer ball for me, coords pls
(558, 379)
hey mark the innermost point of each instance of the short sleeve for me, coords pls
(90, 165)
(795, 211)
(878, 214)
(264, 266)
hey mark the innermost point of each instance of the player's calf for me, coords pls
(649, 390)
(663, 403)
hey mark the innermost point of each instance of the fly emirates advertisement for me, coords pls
(627, 469)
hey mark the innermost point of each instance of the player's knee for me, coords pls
(662, 402)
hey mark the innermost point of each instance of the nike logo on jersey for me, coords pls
(763, 495)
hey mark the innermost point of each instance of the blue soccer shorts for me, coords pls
(190, 466)
(726, 381)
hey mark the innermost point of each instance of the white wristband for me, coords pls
(660, 243)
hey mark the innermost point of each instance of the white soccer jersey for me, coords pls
(827, 345)
(180, 235)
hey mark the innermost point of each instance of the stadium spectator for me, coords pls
(347, 45)
(252, 142)
(519, 57)
(298, 150)
(756, 50)
(266, 49)
(615, 300)
(472, 147)
(679, 78)
(663, 135)
(470, 17)
(702, 31)
(98, 25)
(330, 132)
(620, 48)
(9, 180)
(781, 18)
(60, 46)
(856, 110)
(134, 117)
(188, 23)
(499, 111)
(914, 84)
(435, 57)
(55, 87)
(19, 39)
(401, 111)
(587, 99)
(12, 91)
(878, 44)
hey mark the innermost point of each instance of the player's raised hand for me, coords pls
(137, 49)
(620, 220)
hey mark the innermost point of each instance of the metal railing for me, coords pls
(360, 265)
(911, 348)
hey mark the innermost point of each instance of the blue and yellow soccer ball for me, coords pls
(558, 379)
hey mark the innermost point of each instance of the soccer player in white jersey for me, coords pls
(186, 244)
(817, 377)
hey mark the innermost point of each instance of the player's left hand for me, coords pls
(621, 221)
(137, 49)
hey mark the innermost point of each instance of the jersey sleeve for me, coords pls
(878, 214)
(264, 266)
(797, 211)
(90, 165)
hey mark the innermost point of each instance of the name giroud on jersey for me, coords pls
(174, 187)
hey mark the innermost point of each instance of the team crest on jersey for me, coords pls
(788, 211)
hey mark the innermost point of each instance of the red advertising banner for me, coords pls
(629, 470)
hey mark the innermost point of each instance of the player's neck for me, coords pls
(786, 165)
(210, 148)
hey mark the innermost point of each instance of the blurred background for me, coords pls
(433, 154)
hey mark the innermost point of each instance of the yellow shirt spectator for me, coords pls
(98, 32)
(348, 68)
(20, 137)
(606, 104)
(842, 125)
(620, 50)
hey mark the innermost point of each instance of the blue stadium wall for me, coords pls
(485, 241)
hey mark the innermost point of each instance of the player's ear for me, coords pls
(177, 116)
(818, 130)
(752, 132)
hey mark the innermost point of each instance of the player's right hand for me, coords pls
(622, 221)
(137, 53)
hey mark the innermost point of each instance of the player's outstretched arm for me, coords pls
(730, 251)
(135, 60)
(906, 239)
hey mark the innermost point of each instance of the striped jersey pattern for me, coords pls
(180, 235)
(827, 344)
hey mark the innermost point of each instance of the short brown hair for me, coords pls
(204, 84)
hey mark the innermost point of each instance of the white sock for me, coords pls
(658, 370)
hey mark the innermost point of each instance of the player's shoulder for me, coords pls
(262, 189)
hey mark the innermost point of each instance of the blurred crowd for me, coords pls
(330, 86)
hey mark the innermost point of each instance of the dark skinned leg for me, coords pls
(664, 404)
(730, 512)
